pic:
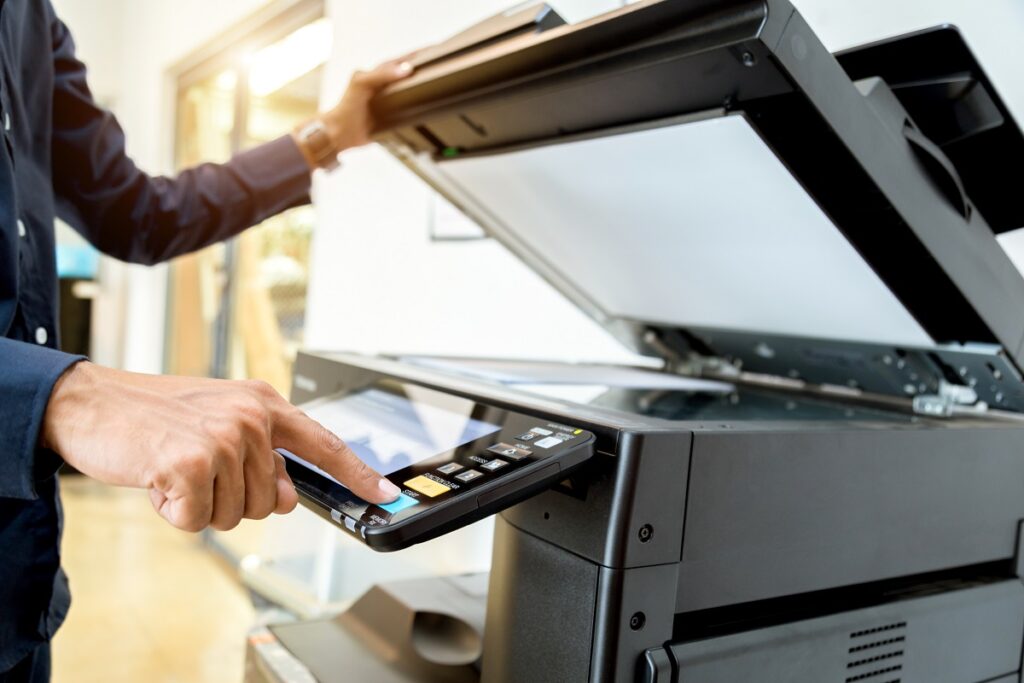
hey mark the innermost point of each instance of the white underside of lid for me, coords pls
(693, 225)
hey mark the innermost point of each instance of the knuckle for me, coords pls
(363, 471)
(253, 417)
(260, 387)
(224, 525)
(197, 466)
(191, 522)
(222, 432)
(328, 440)
(262, 511)
(259, 507)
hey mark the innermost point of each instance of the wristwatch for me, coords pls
(315, 140)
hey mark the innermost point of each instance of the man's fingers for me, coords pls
(229, 499)
(383, 75)
(309, 439)
(287, 498)
(260, 485)
(190, 512)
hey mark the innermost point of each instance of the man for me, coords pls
(202, 448)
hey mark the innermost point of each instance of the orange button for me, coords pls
(428, 487)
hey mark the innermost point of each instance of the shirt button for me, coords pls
(41, 335)
(7, 121)
(21, 228)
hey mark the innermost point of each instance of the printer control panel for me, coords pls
(454, 459)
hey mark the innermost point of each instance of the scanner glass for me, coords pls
(690, 224)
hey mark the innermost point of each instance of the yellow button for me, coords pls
(428, 487)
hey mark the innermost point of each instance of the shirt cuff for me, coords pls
(279, 167)
(27, 375)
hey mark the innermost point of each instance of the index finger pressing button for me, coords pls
(402, 503)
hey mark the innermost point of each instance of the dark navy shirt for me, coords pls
(64, 155)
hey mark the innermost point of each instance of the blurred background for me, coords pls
(378, 263)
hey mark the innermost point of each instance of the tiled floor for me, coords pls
(150, 603)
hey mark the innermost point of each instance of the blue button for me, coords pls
(402, 503)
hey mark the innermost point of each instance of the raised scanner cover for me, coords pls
(693, 224)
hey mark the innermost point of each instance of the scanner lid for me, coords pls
(706, 180)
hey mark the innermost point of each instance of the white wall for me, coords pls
(993, 29)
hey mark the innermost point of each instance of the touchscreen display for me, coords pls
(391, 430)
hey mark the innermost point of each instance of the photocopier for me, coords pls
(823, 482)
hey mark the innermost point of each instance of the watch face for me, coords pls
(318, 143)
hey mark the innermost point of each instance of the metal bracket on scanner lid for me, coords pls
(951, 399)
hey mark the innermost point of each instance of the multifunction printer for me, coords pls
(823, 480)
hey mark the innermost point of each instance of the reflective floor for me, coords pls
(150, 603)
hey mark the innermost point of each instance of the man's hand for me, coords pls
(350, 123)
(204, 448)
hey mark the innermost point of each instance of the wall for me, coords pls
(992, 28)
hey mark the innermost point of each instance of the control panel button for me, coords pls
(528, 436)
(469, 475)
(494, 465)
(547, 442)
(427, 486)
(402, 503)
(507, 450)
(450, 468)
(542, 431)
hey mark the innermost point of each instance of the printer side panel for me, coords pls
(584, 578)
(772, 514)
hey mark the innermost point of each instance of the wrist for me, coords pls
(71, 393)
(320, 140)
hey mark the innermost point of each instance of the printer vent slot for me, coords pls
(877, 643)
(879, 629)
(868, 676)
(876, 654)
(876, 658)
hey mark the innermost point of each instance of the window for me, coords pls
(237, 310)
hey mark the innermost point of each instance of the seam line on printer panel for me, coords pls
(785, 27)
(686, 492)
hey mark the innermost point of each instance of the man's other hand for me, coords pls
(350, 123)
(204, 448)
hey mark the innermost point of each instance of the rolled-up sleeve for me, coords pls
(27, 375)
(135, 217)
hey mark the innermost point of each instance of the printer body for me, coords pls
(816, 231)
(745, 536)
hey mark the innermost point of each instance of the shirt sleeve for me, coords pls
(132, 216)
(27, 375)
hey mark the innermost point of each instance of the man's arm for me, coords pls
(203, 448)
(27, 375)
(132, 216)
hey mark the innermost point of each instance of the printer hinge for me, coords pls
(691, 364)
(951, 399)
